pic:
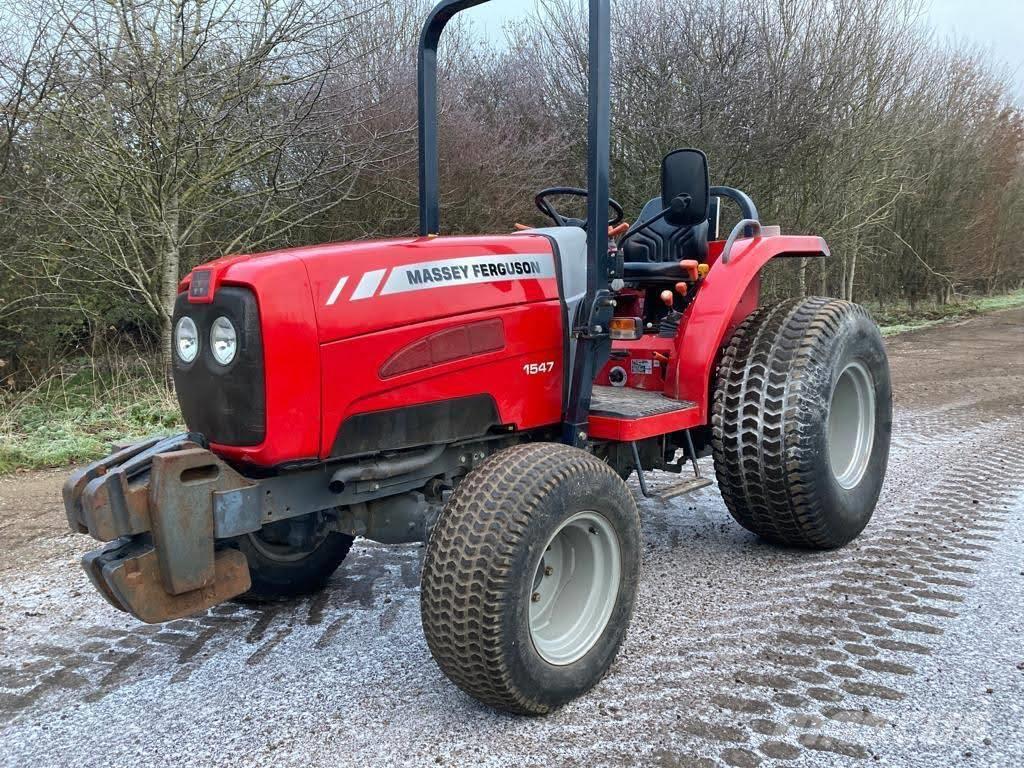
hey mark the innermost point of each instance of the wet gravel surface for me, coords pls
(905, 648)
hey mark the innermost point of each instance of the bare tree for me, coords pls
(181, 131)
(141, 137)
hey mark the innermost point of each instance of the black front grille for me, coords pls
(227, 403)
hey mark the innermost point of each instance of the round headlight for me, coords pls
(223, 340)
(186, 339)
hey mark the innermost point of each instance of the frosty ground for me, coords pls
(905, 648)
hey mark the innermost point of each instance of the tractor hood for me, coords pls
(367, 286)
(289, 307)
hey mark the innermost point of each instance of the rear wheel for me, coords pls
(530, 577)
(801, 422)
(281, 568)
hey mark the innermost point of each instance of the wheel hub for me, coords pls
(575, 587)
(851, 424)
(277, 548)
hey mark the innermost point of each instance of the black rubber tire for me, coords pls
(478, 574)
(278, 580)
(770, 422)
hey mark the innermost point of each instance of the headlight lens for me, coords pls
(186, 339)
(223, 340)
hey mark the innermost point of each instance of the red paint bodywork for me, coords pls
(322, 361)
(728, 293)
(324, 347)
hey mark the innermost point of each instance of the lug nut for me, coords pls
(535, 597)
(548, 570)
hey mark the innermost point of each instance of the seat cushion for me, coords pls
(663, 242)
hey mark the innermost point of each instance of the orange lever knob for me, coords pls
(667, 298)
(682, 288)
(689, 267)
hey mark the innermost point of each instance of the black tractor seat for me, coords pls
(663, 242)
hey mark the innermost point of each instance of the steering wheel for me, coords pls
(545, 207)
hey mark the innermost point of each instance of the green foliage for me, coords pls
(139, 139)
(1004, 301)
(79, 410)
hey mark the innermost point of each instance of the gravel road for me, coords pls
(905, 648)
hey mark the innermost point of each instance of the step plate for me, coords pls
(684, 486)
(621, 413)
(626, 403)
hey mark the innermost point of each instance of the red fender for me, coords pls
(727, 295)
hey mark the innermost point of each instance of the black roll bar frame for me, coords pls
(591, 330)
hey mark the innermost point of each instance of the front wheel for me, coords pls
(801, 422)
(281, 568)
(530, 577)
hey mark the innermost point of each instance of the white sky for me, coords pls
(995, 25)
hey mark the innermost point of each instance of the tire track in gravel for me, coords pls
(97, 659)
(103, 659)
(823, 685)
(904, 591)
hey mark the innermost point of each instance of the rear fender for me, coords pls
(728, 293)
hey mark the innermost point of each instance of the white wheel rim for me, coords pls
(851, 424)
(574, 588)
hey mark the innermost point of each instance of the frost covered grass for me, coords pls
(77, 410)
(900, 319)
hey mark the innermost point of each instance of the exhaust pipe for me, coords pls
(382, 468)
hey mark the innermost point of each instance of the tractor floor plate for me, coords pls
(622, 413)
(626, 403)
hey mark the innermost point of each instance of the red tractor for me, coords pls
(489, 396)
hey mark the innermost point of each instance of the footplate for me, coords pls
(627, 414)
(155, 501)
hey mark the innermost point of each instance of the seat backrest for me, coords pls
(665, 242)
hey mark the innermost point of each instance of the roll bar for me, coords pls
(742, 199)
(426, 94)
(593, 343)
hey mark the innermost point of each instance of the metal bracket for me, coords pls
(676, 489)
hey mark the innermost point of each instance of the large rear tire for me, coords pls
(530, 577)
(801, 422)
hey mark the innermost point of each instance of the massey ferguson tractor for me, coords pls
(489, 396)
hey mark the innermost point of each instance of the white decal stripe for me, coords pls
(368, 284)
(337, 290)
(468, 270)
